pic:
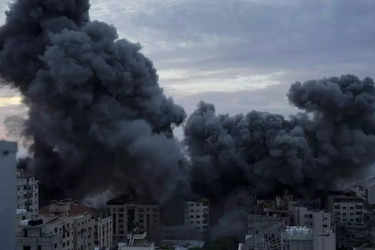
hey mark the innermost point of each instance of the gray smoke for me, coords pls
(98, 118)
(333, 139)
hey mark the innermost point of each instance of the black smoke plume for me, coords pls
(333, 139)
(97, 116)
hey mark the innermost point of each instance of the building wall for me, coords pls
(76, 225)
(325, 241)
(347, 211)
(126, 217)
(320, 221)
(299, 245)
(27, 195)
(371, 195)
(62, 227)
(196, 214)
(104, 233)
(8, 152)
(37, 238)
(84, 226)
(264, 232)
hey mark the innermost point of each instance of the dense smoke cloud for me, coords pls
(97, 116)
(333, 139)
(100, 123)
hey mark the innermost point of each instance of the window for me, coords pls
(26, 247)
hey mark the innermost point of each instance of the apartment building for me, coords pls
(103, 231)
(130, 215)
(264, 232)
(8, 152)
(320, 221)
(79, 227)
(27, 195)
(197, 214)
(347, 210)
(34, 235)
(297, 238)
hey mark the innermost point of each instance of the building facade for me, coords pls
(103, 233)
(320, 221)
(297, 238)
(197, 214)
(34, 235)
(27, 195)
(347, 210)
(8, 151)
(263, 232)
(78, 227)
(129, 216)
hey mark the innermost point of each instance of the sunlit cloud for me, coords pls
(10, 101)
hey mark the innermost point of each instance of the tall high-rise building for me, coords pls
(8, 151)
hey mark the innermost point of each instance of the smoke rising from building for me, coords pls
(99, 120)
(97, 116)
(332, 140)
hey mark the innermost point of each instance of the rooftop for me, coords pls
(298, 233)
(131, 199)
(67, 208)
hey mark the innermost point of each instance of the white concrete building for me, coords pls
(197, 214)
(347, 210)
(8, 151)
(27, 194)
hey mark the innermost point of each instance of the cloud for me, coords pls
(10, 101)
(201, 48)
(301, 38)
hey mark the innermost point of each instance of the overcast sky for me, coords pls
(239, 54)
